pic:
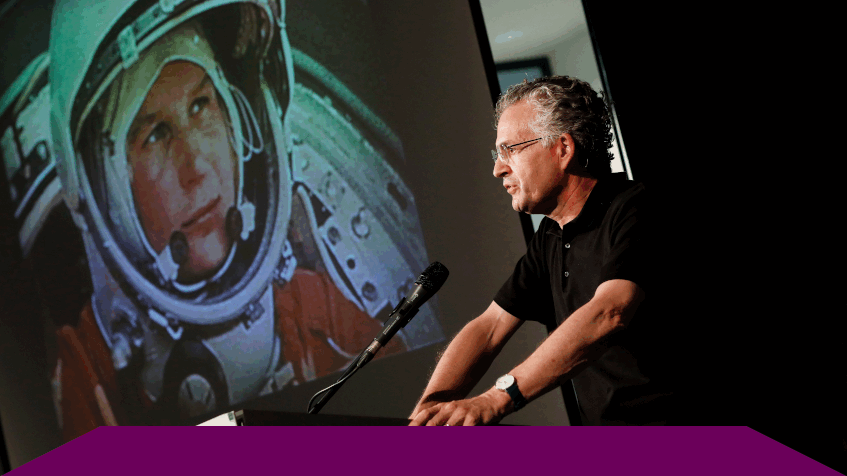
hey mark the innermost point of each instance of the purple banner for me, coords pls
(574, 450)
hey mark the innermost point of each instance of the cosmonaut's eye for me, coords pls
(198, 105)
(160, 132)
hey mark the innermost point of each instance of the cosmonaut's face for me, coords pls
(184, 170)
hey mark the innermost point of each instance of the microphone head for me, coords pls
(433, 277)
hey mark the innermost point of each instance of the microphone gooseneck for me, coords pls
(429, 282)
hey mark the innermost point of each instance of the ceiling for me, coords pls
(532, 24)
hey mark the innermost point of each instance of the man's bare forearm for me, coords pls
(579, 340)
(462, 365)
(468, 357)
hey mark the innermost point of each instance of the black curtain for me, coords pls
(758, 329)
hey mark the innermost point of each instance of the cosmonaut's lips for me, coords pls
(202, 214)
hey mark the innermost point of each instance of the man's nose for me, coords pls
(500, 169)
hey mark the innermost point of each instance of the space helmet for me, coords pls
(107, 57)
(26, 150)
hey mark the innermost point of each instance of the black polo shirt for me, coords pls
(611, 238)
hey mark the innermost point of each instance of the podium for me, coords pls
(247, 417)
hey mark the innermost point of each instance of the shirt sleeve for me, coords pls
(631, 240)
(526, 293)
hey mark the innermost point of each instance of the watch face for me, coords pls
(504, 382)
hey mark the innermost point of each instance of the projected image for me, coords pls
(240, 213)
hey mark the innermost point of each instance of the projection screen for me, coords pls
(213, 204)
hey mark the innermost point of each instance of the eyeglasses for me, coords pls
(506, 151)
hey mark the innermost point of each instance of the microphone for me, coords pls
(426, 286)
(429, 282)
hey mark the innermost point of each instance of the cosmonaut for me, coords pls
(243, 232)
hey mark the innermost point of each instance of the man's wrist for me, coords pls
(508, 384)
(503, 402)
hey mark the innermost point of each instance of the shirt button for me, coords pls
(567, 245)
(566, 274)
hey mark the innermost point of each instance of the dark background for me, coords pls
(756, 277)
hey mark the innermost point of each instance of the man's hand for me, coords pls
(485, 409)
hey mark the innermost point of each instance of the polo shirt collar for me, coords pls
(592, 209)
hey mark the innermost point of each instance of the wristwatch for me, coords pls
(508, 384)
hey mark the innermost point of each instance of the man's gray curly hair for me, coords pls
(567, 105)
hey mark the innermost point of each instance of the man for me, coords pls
(585, 273)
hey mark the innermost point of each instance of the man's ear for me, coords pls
(568, 150)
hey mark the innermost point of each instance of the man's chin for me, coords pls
(521, 207)
(517, 205)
